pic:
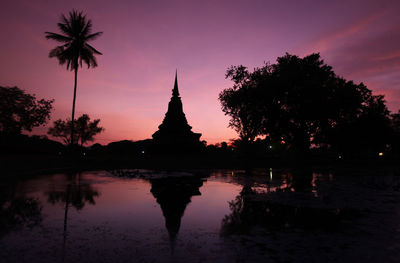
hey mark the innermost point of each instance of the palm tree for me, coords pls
(76, 33)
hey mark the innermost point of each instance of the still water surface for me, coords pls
(206, 216)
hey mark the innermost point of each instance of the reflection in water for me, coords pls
(75, 193)
(286, 219)
(253, 207)
(273, 180)
(173, 195)
(17, 210)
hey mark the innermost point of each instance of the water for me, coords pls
(204, 216)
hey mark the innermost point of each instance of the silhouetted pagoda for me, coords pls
(175, 133)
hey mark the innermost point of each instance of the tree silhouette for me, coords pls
(21, 111)
(77, 32)
(367, 131)
(300, 102)
(84, 129)
(395, 125)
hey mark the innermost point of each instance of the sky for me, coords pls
(144, 42)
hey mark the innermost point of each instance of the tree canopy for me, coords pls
(301, 102)
(22, 111)
(84, 129)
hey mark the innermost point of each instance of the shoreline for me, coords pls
(32, 165)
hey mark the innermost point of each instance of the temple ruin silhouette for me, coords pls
(174, 133)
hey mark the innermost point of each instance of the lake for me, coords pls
(269, 215)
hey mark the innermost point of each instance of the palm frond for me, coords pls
(92, 49)
(88, 57)
(64, 25)
(55, 52)
(93, 36)
(65, 29)
(76, 31)
(87, 28)
(57, 37)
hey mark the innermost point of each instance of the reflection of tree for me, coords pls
(75, 194)
(240, 219)
(17, 211)
(173, 195)
(268, 210)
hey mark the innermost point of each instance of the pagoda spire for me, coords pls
(175, 91)
(174, 133)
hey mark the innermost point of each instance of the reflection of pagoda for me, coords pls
(174, 194)
(175, 132)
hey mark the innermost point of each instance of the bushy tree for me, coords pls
(21, 111)
(301, 102)
(84, 129)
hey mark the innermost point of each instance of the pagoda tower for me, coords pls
(175, 133)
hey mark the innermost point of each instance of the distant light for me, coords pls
(270, 173)
(142, 152)
(84, 154)
(270, 146)
(380, 154)
(340, 157)
(59, 153)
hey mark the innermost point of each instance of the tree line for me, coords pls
(20, 111)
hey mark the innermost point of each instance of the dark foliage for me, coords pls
(24, 144)
(299, 103)
(395, 138)
(129, 147)
(84, 129)
(21, 111)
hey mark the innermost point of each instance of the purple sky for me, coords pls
(145, 41)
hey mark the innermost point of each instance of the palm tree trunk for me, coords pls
(73, 107)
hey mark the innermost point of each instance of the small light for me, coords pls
(84, 154)
(142, 152)
(340, 157)
(270, 146)
(380, 154)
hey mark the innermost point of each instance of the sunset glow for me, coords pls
(144, 42)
